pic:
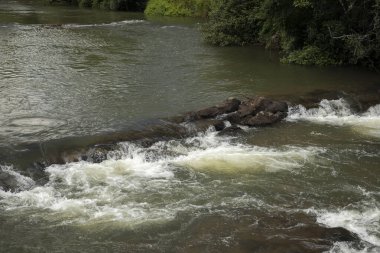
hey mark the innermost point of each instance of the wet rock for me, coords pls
(7, 182)
(230, 130)
(250, 107)
(258, 104)
(263, 118)
(219, 125)
(256, 111)
(229, 105)
(367, 100)
(202, 125)
(340, 234)
(276, 106)
(233, 118)
(207, 113)
(96, 155)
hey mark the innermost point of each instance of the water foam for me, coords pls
(22, 182)
(363, 219)
(338, 113)
(119, 23)
(138, 185)
(228, 158)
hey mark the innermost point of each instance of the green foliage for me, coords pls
(232, 23)
(189, 8)
(320, 32)
(309, 55)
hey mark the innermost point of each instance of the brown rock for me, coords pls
(230, 130)
(209, 112)
(204, 124)
(258, 104)
(250, 107)
(228, 106)
(233, 118)
(263, 119)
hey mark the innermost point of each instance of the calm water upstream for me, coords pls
(308, 184)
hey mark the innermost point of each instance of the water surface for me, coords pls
(68, 75)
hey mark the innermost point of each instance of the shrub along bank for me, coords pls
(316, 32)
(308, 32)
(189, 8)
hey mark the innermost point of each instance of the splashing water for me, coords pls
(339, 113)
(138, 185)
(362, 219)
(120, 23)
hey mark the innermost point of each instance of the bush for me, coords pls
(189, 8)
(320, 32)
(309, 55)
(232, 23)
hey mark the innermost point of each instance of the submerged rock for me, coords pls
(8, 182)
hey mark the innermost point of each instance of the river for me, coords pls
(71, 77)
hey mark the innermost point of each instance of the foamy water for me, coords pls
(119, 23)
(339, 113)
(135, 185)
(362, 219)
(111, 24)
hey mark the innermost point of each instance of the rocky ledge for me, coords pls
(252, 112)
(227, 117)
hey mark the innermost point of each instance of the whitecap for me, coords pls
(23, 182)
(346, 247)
(338, 113)
(119, 23)
(228, 158)
(362, 219)
(138, 185)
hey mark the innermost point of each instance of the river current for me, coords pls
(69, 77)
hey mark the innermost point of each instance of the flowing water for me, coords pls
(69, 77)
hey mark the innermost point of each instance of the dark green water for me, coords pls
(69, 74)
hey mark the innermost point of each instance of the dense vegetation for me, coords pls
(193, 8)
(117, 5)
(320, 32)
(312, 32)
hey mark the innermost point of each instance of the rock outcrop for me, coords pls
(252, 112)
(227, 118)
